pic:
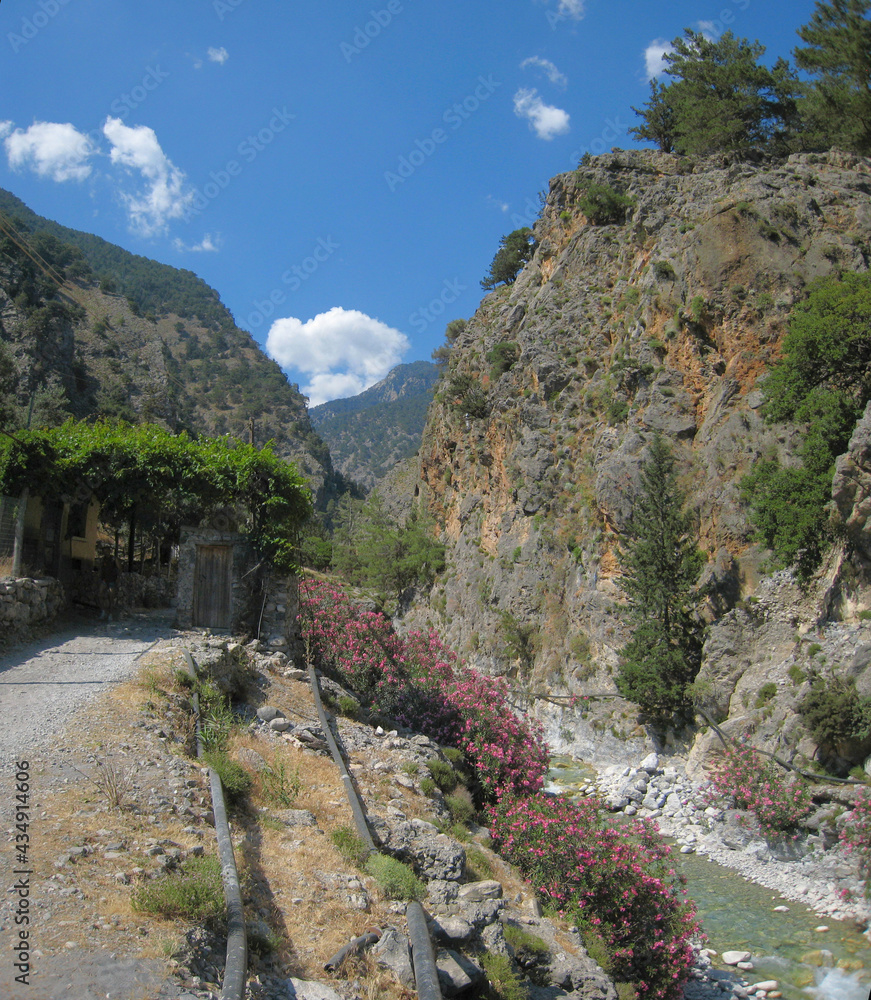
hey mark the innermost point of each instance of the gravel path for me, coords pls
(43, 681)
(42, 684)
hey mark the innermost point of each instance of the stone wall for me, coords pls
(24, 601)
(278, 625)
(134, 590)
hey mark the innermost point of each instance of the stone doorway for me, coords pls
(213, 587)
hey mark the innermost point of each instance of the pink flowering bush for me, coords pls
(613, 880)
(756, 785)
(418, 681)
(856, 834)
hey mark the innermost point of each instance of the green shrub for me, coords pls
(395, 879)
(348, 706)
(834, 712)
(603, 205)
(216, 716)
(502, 358)
(663, 270)
(765, 694)
(461, 808)
(194, 892)
(350, 845)
(466, 396)
(504, 982)
(235, 779)
(443, 775)
(796, 674)
(427, 786)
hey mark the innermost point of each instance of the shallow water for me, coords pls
(738, 915)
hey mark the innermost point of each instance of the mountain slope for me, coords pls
(192, 369)
(371, 433)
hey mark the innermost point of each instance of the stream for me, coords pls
(738, 915)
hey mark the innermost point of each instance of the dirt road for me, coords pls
(42, 685)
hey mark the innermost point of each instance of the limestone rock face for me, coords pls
(851, 488)
(663, 322)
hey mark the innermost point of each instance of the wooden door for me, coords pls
(213, 586)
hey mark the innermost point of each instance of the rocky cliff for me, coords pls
(658, 314)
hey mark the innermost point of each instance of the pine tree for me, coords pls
(660, 569)
(514, 251)
(837, 55)
(721, 98)
(658, 118)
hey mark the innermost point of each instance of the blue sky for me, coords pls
(340, 172)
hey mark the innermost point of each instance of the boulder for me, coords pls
(394, 952)
(456, 972)
(477, 892)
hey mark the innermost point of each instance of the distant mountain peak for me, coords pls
(369, 434)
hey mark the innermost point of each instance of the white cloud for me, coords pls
(654, 57)
(343, 351)
(323, 388)
(572, 8)
(165, 195)
(207, 244)
(5, 129)
(50, 149)
(547, 120)
(220, 55)
(553, 74)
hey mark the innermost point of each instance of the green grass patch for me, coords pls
(350, 845)
(503, 981)
(235, 779)
(395, 879)
(478, 865)
(524, 941)
(194, 892)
